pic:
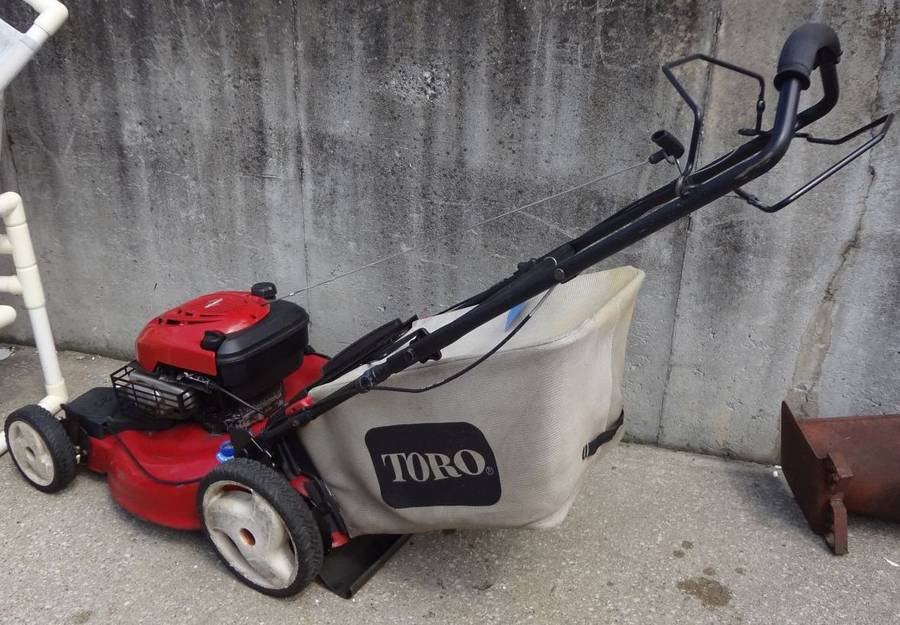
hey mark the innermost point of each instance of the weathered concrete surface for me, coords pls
(166, 149)
(663, 537)
(804, 303)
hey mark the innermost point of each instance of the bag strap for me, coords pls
(604, 437)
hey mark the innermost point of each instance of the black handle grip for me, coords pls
(807, 48)
(670, 145)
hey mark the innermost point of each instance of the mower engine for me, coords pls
(219, 359)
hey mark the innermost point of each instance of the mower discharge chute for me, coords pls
(216, 425)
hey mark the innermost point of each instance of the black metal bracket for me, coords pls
(246, 445)
(884, 121)
(295, 461)
(697, 111)
(420, 334)
(346, 569)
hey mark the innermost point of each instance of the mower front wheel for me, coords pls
(260, 527)
(40, 448)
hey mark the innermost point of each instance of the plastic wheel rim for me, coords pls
(31, 453)
(250, 535)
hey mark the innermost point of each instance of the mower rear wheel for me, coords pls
(40, 448)
(260, 527)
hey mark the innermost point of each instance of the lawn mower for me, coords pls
(297, 465)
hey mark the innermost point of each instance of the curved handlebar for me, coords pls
(807, 48)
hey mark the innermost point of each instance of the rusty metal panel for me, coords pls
(842, 464)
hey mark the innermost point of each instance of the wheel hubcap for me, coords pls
(31, 453)
(250, 534)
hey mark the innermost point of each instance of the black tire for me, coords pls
(294, 513)
(58, 446)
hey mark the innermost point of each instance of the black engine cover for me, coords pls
(257, 358)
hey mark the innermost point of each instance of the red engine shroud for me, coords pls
(174, 337)
(155, 475)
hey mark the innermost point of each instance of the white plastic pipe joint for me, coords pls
(51, 16)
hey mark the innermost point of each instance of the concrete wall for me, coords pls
(171, 148)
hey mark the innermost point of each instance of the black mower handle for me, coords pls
(807, 48)
(810, 47)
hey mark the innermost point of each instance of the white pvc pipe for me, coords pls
(28, 279)
(7, 316)
(10, 284)
(52, 15)
(54, 383)
(15, 59)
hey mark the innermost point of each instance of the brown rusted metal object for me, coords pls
(842, 464)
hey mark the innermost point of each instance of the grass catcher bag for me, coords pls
(506, 445)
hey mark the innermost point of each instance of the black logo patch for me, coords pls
(434, 464)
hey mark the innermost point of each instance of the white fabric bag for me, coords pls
(504, 445)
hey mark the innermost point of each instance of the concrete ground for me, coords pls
(656, 537)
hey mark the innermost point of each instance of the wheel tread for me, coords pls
(294, 511)
(54, 434)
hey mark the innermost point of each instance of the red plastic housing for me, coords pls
(174, 337)
(155, 475)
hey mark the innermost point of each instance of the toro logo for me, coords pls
(434, 464)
